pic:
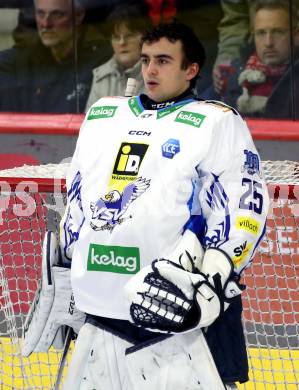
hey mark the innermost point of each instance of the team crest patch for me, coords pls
(170, 148)
(111, 209)
(252, 163)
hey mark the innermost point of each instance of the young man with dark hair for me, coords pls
(162, 191)
(192, 49)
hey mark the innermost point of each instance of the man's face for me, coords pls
(54, 21)
(271, 36)
(162, 70)
(126, 46)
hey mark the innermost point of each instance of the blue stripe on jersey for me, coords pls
(217, 200)
(139, 103)
(180, 103)
(196, 222)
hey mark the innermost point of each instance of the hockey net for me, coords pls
(32, 201)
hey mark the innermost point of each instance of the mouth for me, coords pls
(47, 33)
(152, 84)
(270, 53)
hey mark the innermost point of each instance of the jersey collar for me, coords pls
(140, 103)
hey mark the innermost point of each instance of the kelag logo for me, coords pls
(170, 148)
(129, 158)
(190, 118)
(101, 112)
(117, 259)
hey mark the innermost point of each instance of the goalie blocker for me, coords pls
(53, 305)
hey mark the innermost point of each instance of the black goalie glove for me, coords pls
(166, 298)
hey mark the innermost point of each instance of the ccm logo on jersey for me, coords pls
(139, 132)
(170, 148)
(72, 305)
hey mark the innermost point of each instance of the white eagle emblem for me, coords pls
(108, 211)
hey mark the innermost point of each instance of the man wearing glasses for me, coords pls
(259, 81)
(48, 74)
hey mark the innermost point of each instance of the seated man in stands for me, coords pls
(261, 81)
(50, 74)
(110, 79)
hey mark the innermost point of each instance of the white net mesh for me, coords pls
(281, 172)
(22, 227)
(271, 300)
(38, 171)
(275, 171)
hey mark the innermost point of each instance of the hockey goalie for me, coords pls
(166, 205)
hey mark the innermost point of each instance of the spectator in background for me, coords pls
(127, 25)
(259, 77)
(8, 22)
(234, 36)
(43, 76)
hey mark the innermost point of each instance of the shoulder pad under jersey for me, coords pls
(222, 105)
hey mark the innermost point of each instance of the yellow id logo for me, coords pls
(129, 158)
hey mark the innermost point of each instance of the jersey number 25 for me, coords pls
(252, 199)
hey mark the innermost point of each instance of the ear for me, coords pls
(192, 71)
(79, 16)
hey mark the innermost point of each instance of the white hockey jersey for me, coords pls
(140, 177)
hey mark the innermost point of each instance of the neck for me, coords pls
(63, 51)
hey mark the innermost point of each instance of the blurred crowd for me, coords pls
(61, 56)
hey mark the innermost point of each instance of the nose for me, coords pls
(152, 68)
(45, 21)
(122, 40)
(269, 39)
